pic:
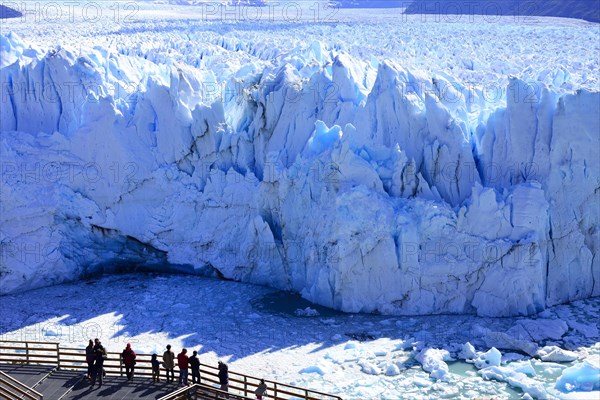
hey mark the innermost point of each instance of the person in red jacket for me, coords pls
(128, 357)
(183, 360)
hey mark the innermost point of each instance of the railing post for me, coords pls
(58, 355)
(27, 353)
(306, 394)
(245, 385)
(275, 389)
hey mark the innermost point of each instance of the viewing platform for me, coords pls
(46, 370)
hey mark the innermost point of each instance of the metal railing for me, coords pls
(9, 386)
(51, 353)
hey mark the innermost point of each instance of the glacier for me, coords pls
(364, 184)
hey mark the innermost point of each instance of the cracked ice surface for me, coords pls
(369, 175)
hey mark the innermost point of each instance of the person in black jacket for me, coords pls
(90, 357)
(195, 367)
(155, 368)
(224, 376)
(98, 371)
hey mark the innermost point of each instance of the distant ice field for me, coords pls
(478, 50)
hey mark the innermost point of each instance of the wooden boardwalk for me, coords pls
(119, 388)
(72, 385)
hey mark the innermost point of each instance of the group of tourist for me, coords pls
(95, 355)
(184, 362)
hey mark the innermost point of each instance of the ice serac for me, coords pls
(367, 187)
(574, 186)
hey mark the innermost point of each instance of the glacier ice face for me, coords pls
(367, 187)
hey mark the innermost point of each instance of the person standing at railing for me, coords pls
(169, 363)
(183, 360)
(155, 368)
(98, 345)
(98, 371)
(261, 390)
(195, 367)
(128, 357)
(224, 376)
(90, 357)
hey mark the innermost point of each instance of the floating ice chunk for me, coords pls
(492, 357)
(556, 354)
(307, 312)
(523, 367)
(468, 352)
(549, 368)
(314, 369)
(329, 321)
(369, 368)
(582, 377)
(434, 362)
(508, 357)
(421, 382)
(515, 379)
(403, 345)
(392, 370)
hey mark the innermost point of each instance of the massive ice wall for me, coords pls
(363, 186)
